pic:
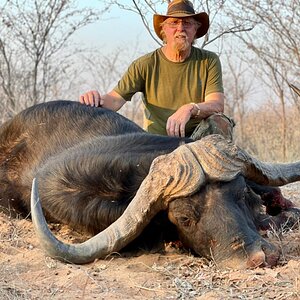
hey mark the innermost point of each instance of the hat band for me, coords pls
(183, 12)
(179, 8)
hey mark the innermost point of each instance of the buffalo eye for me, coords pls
(184, 221)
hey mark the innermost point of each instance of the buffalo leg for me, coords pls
(287, 218)
(272, 198)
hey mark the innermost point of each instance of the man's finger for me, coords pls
(97, 98)
(81, 99)
(182, 130)
(176, 130)
(91, 98)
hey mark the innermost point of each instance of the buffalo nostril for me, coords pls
(272, 260)
(257, 259)
(272, 254)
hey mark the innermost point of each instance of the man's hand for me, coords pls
(176, 122)
(92, 98)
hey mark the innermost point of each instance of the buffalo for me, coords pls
(98, 172)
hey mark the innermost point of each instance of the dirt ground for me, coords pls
(26, 273)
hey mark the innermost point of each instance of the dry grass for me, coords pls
(263, 136)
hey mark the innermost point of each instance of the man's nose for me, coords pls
(180, 25)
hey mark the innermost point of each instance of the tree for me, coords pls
(275, 46)
(34, 52)
(237, 90)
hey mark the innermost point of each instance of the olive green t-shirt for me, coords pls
(168, 85)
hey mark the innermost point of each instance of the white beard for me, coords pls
(181, 44)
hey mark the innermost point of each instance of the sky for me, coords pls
(116, 29)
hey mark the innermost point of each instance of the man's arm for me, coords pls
(111, 100)
(214, 103)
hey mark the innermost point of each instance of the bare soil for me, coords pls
(26, 273)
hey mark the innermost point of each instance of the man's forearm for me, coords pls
(214, 103)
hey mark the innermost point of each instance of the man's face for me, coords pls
(180, 32)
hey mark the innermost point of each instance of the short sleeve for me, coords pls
(214, 78)
(131, 82)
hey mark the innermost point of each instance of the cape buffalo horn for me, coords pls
(168, 178)
(222, 161)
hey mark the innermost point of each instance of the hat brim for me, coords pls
(202, 18)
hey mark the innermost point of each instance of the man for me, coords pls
(182, 84)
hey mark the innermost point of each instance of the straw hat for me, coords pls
(182, 9)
